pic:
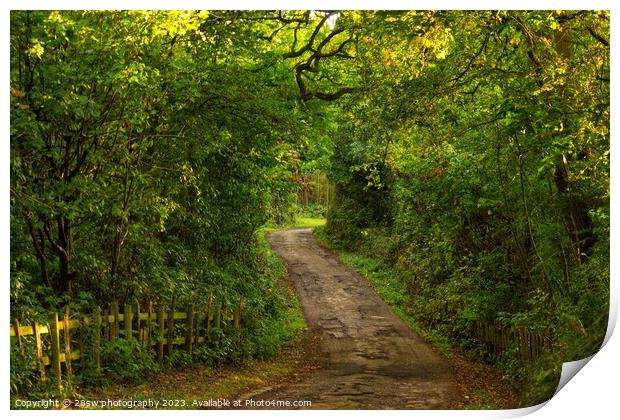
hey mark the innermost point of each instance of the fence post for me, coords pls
(55, 346)
(18, 335)
(139, 331)
(81, 335)
(197, 328)
(106, 324)
(171, 327)
(189, 327)
(114, 333)
(149, 323)
(39, 348)
(97, 338)
(67, 338)
(127, 318)
(160, 326)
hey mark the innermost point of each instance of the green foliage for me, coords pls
(25, 383)
(147, 148)
(22, 371)
(127, 361)
(475, 162)
(314, 210)
(141, 163)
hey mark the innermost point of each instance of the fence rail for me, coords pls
(67, 337)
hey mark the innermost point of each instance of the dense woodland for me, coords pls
(469, 151)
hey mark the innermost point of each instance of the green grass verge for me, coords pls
(309, 222)
(300, 222)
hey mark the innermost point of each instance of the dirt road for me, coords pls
(369, 358)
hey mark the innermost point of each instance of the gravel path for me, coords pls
(368, 357)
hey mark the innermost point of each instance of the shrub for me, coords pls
(126, 361)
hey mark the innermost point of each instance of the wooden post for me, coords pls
(197, 318)
(189, 327)
(106, 325)
(81, 335)
(39, 348)
(160, 326)
(127, 318)
(67, 338)
(171, 327)
(55, 346)
(97, 338)
(138, 329)
(149, 323)
(18, 336)
(114, 333)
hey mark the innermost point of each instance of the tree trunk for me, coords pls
(38, 242)
(576, 218)
(64, 254)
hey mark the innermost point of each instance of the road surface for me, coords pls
(368, 357)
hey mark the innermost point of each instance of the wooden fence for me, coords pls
(497, 339)
(67, 338)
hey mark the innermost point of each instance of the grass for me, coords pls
(309, 222)
(300, 222)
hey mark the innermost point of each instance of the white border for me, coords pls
(592, 394)
(318, 5)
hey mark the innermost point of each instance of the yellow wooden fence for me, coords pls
(62, 340)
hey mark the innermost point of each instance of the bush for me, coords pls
(313, 210)
(125, 360)
(22, 371)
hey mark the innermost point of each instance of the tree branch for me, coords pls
(598, 37)
(310, 42)
(471, 62)
(48, 233)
